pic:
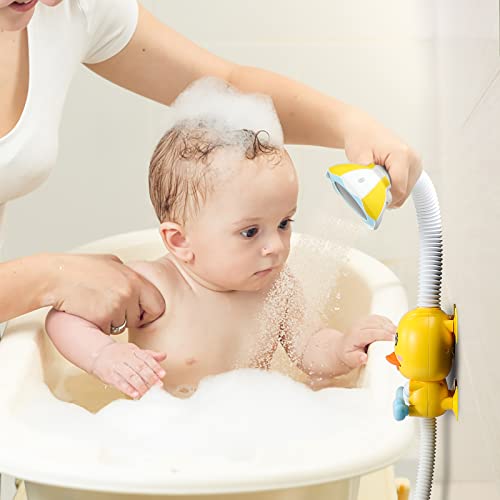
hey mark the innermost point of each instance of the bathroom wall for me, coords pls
(377, 55)
(468, 84)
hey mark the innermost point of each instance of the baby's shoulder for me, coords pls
(161, 273)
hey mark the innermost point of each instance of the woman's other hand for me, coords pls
(101, 289)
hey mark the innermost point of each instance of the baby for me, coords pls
(225, 199)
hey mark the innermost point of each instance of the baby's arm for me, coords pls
(123, 365)
(326, 352)
(330, 353)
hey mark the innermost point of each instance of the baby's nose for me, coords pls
(273, 246)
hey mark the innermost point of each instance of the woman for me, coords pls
(41, 44)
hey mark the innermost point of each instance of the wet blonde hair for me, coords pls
(180, 168)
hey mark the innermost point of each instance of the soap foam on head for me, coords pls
(216, 105)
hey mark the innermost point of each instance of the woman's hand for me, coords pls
(101, 289)
(367, 141)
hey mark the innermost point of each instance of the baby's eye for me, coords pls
(249, 233)
(396, 339)
(284, 224)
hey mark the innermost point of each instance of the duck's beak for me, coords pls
(393, 359)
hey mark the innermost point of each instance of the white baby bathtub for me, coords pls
(56, 466)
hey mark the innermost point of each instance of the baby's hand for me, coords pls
(130, 369)
(362, 334)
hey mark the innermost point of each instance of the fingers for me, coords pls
(128, 368)
(355, 358)
(377, 321)
(388, 325)
(131, 307)
(151, 359)
(368, 335)
(133, 311)
(364, 157)
(158, 356)
(118, 320)
(151, 302)
(101, 289)
(133, 378)
(404, 167)
(371, 329)
(397, 166)
(147, 374)
(123, 385)
(142, 363)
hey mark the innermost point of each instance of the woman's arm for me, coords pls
(97, 287)
(23, 285)
(159, 63)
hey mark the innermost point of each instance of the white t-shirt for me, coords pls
(59, 39)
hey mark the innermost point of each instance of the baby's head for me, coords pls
(225, 200)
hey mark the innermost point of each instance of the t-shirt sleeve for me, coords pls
(110, 26)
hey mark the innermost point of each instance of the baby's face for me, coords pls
(241, 236)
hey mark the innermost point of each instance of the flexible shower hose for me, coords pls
(429, 294)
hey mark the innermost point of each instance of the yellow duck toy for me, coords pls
(423, 352)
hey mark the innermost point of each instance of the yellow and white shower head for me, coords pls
(366, 188)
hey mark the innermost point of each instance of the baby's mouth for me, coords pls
(266, 271)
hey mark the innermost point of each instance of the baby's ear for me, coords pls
(175, 241)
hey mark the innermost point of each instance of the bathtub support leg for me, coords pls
(8, 487)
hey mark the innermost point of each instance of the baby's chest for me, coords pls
(213, 336)
(216, 332)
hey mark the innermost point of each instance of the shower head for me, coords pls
(366, 188)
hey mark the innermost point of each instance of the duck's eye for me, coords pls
(396, 339)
